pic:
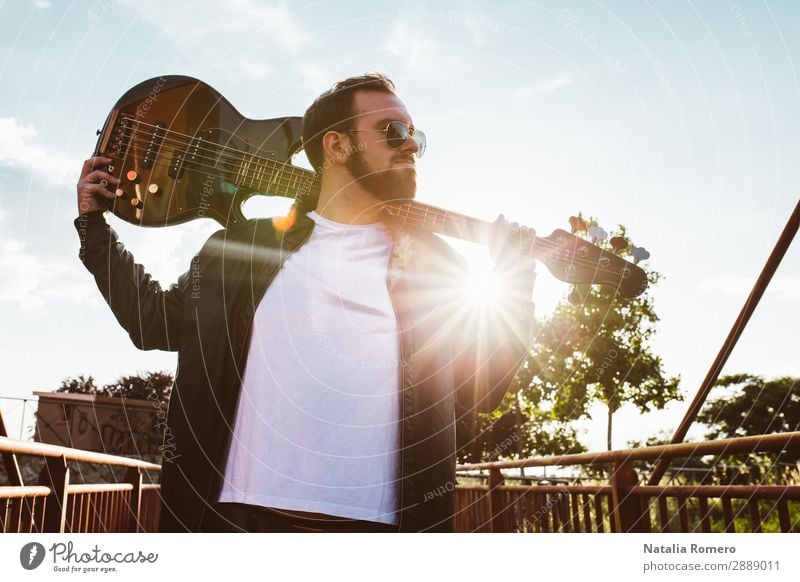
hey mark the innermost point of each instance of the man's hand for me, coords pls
(511, 244)
(515, 266)
(95, 182)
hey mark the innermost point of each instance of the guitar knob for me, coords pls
(136, 203)
(120, 193)
(133, 177)
(154, 190)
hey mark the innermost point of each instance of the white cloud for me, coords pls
(786, 286)
(243, 37)
(548, 86)
(20, 149)
(31, 282)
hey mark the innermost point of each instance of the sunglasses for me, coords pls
(397, 133)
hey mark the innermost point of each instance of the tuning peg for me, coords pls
(618, 243)
(576, 223)
(597, 233)
(639, 254)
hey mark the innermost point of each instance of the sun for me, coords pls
(482, 286)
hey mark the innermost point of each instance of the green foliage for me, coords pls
(514, 432)
(749, 406)
(752, 406)
(598, 350)
(149, 386)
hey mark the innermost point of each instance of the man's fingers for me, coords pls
(94, 188)
(98, 175)
(94, 162)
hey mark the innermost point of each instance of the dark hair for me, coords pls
(333, 111)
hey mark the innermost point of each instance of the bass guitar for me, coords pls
(184, 152)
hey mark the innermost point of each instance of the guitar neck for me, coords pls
(284, 179)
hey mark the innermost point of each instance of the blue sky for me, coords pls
(677, 119)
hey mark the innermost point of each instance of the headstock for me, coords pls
(575, 260)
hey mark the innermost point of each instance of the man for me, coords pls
(322, 368)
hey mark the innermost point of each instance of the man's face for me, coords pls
(388, 174)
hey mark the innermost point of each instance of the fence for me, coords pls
(623, 505)
(56, 505)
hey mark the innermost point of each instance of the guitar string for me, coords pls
(289, 167)
(456, 226)
(300, 173)
(422, 215)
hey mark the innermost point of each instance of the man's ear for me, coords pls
(335, 146)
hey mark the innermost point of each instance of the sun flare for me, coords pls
(482, 285)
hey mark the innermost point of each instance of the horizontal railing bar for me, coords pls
(720, 491)
(98, 488)
(749, 444)
(791, 492)
(150, 486)
(8, 445)
(588, 489)
(17, 491)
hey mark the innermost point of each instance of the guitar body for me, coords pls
(171, 139)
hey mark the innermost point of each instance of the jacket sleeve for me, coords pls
(494, 343)
(151, 316)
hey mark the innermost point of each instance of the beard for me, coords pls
(388, 185)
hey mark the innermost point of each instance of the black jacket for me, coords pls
(451, 364)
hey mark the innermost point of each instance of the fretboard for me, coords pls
(284, 179)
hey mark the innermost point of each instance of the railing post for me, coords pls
(55, 476)
(9, 460)
(498, 523)
(627, 509)
(134, 476)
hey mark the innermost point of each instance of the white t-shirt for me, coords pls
(317, 425)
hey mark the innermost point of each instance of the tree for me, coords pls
(597, 349)
(515, 430)
(752, 406)
(150, 386)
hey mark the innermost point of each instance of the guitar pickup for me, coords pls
(175, 170)
(153, 146)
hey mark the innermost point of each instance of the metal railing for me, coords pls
(55, 504)
(623, 504)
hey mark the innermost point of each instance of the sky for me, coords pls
(677, 119)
